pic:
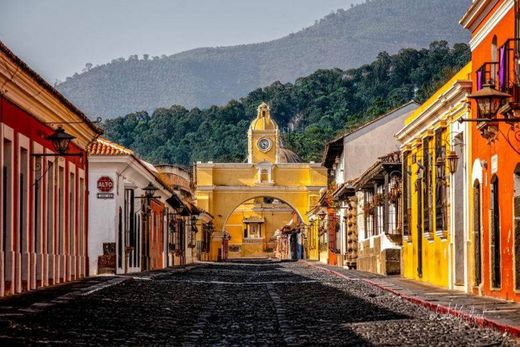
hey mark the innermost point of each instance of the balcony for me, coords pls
(498, 91)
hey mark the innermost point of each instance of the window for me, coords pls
(407, 194)
(427, 186)
(495, 235)
(379, 210)
(50, 208)
(37, 206)
(419, 190)
(7, 206)
(394, 204)
(253, 230)
(61, 208)
(516, 206)
(182, 236)
(72, 214)
(61, 220)
(440, 182)
(81, 217)
(22, 199)
(264, 176)
(22, 246)
(369, 213)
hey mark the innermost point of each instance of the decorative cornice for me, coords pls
(231, 166)
(478, 9)
(487, 28)
(454, 97)
(259, 189)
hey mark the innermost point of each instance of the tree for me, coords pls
(88, 67)
(316, 108)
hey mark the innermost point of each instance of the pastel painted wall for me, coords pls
(363, 147)
(498, 158)
(428, 249)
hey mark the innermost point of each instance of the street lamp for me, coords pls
(488, 101)
(60, 140)
(149, 191)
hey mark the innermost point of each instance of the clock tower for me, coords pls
(263, 138)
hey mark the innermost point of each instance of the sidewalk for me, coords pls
(498, 314)
(34, 301)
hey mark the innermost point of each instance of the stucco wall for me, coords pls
(363, 147)
(102, 216)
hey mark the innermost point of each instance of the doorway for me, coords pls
(459, 216)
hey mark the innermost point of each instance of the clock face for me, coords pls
(264, 144)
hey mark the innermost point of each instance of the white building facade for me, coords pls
(128, 230)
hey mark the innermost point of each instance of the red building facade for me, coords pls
(43, 197)
(494, 257)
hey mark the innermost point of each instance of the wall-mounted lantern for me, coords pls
(61, 142)
(453, 161)
(149, 191)
(489, 100)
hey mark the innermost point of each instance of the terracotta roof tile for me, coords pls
(104, 147)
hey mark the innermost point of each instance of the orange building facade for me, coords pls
(495, 148)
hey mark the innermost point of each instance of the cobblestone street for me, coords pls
(243, 303)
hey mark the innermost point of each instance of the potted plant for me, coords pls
(368, 209)
(379, 199)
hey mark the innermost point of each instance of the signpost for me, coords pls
(105, 185)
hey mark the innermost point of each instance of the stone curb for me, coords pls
(438, 308)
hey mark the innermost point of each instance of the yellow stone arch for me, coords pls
(301, 215)
(270, 171)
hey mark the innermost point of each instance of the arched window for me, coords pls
(264, 175)
(477, 233)
(495, 235)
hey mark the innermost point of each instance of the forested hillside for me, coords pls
(310, 111)
(206, 76)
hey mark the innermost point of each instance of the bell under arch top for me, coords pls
(263, 120)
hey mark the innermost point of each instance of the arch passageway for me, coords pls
(271, 171)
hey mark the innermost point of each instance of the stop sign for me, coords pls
(105, 184)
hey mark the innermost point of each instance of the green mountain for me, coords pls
(310, 111)
(208, 76)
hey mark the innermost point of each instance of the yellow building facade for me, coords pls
(271, 171)
(435, 182)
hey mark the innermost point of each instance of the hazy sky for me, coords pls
(57, 37)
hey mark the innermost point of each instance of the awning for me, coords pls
(345, 189)
(176, 203)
